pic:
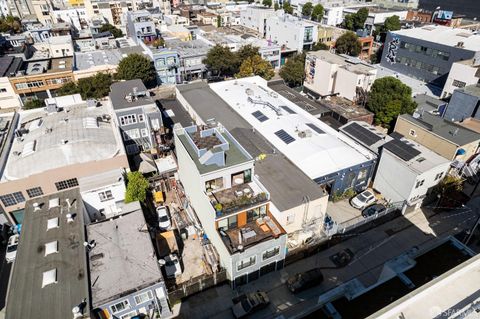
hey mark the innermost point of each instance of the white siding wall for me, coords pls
(429, 181)
(8, 97)
(94, 204)
(460, 72)
(323, 81)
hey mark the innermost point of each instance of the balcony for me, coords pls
(238, 198)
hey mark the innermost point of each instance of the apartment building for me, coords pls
(462, 74)
(8, 98)
(444, 137)
(329, 74)
(428, 53)
(137, 115)
(140, 26)
(255, 18)
(233, 206)
(54, 149)
(291, 32)
(110, 10)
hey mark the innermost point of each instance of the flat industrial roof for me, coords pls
(60, 139)
(119, 91)
(323, 152)
(443, 35)
(26, 296)
(87, 60)
(286, 183)
(123, 259)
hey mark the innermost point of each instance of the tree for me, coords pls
(137, 66)
(287, 7)
(219, 21)
(388, 98)
(356, 21)
(33, 104)
(94, 87)
(221, 61)
(10, 24)
(255, 65)
(317, 12)
(348, 22)
(68, 88)
(348, 43)
(307, 9)
(276, 6)
(320, 46)
(293, 72)
(267, 3)
(137, 186)
(391, 24)
(245, 52)
(117, 33)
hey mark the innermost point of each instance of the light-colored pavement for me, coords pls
(371, 250)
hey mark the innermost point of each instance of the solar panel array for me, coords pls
(362, 133)
(284, 136)
(402, 150)
(315, 128)
(289, 110)
(260, 116)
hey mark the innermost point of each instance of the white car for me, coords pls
(173, 268)
(363, 199)
(163, 219)
(11, 248)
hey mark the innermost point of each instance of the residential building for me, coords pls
(330, 74)
(329, 34)
(255, 18)
(89, 64)
(55, 148)
(126, 276)
(172, 19)
(166, 62)
(367, 48)
(376, 15)
(137, 115)
(76, 16)
(104, 40)
(463, 104)
(442, 136)
(190, 56)
(20, 8)
(406, 171)
(57, 46)
(50, 276)
(333, 14)
(110, 10)
(462, 73)
(427, 53)
(140, 26)
(233, 206)
(297, 204)
(9, 66)
(207, 18)
(419, 16)
(426, 103)
(291, 32)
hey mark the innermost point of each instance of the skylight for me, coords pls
(52, 223)
(49, 277)
(51, 247)
(54, 202)
(29, 148)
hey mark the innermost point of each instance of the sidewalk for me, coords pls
(371, 250)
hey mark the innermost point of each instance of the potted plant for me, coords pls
(218, 209)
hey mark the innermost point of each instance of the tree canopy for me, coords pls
(137, 186)
(287, 7)
(318, 12)
(356, 20)
(391, 24)
(388, 98)
(267, 3)
(320, 46)
(293, 71)
(276, 6)
(255, 65)
(348, 43)
(10, 24)
(95, 87)
(33, 104)
(137, 66)
(307, 9)
(117, 33)
(222, 61)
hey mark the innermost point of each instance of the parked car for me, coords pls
(173, 268)
(373, 210)
(163, 219)
(305, 280)
(363, 199)
(246, 304)
(12, 245)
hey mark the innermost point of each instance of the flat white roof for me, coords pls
(316, 154)
(444, 35)
(61, 140)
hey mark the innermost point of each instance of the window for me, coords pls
(131, 134)
(34, 192)
(412, 133)
(12, 199)
(119, 307)
(459, 84)
(270, 253)
(52, 223)
(128, 119)
(106, 195)
(144, 132)
(141, 118)
(247, 262)
(438, 176)
(290, 219)
(69, 183)
(256, 213)
(129, 315)
(228, 223)
(214, 184)
(49, 277)
(419, 183)
(143, 297)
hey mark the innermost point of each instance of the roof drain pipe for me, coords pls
(306, 202)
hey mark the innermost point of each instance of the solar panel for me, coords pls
(260, 116)
(401, 149)
(289, 110)
(315, 128)
(362, 134)
(284, 136)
